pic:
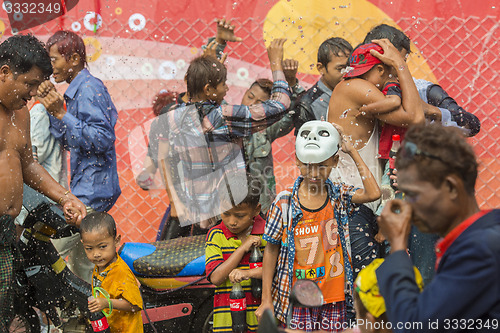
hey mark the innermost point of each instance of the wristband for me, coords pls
(106, 295)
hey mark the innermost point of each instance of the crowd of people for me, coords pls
(216, 164)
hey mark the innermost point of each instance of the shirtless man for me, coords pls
(24, 64)
(347, 98)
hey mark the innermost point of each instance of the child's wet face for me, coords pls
(378, 76)
(218, 93)
(317, 173)
(100, 247)
(63, 69)
(238, 219)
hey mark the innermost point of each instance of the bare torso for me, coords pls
(14, 139)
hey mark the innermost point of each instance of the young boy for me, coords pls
(227, 255)
(112, 274)
(307, 229)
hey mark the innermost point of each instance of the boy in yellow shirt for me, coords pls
(111, 273)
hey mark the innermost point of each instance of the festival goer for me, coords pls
(438, 106)
(348, 97)
(111, 274)
(258, 148)
(24, 64)
(332, 61)
(201, 137)
(83, 121)
(437, 171)
(227, 253)
(306, 229)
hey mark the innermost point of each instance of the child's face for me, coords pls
(218, 93)
(100, 247)
(379, 76)
(238, 219)
(317, 173)
(63, 69)
(332, 74)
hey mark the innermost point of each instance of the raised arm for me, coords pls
(371, 190)
(410, 98)
(245, 120)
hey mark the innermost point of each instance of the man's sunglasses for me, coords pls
(410, 150)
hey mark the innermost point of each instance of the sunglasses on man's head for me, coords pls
(410, 150)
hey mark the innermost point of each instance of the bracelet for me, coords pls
(106, 295)
(60, 201)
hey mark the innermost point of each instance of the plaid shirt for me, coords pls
(285, 208)
(202, 150)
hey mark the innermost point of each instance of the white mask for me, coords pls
(317, 141)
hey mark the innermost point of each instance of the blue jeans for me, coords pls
(421, 247)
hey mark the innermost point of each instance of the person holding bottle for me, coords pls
(227, 255)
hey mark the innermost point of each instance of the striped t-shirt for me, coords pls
(220, 245)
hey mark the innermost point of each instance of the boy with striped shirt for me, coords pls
(227, 256)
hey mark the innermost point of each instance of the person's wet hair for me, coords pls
(164, 99)
(98, 221)
(265, 84)
(443, 151)
(236, 181)
(394, 35)
(68, 43)
(22, 52)
(333, 46)
(204, 70)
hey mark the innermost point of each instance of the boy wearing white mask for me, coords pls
(308, 235)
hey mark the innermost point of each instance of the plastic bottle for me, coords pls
(238, 305)
(255, 261)
(396, 143)
(98, 321)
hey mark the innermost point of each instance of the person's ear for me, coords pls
(380, 69)
(257, 210)
(75, 59)
(453, 184)
(335, 160)
(4, 72)
(118, 240)
(321, 68)
(207, 90)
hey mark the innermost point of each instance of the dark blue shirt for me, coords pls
(87, 130)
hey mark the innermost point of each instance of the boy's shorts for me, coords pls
(328, 317)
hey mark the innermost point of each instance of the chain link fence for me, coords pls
(139, 57)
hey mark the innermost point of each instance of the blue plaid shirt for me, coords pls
(200, 147)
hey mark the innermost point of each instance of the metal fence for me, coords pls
(138, 57)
